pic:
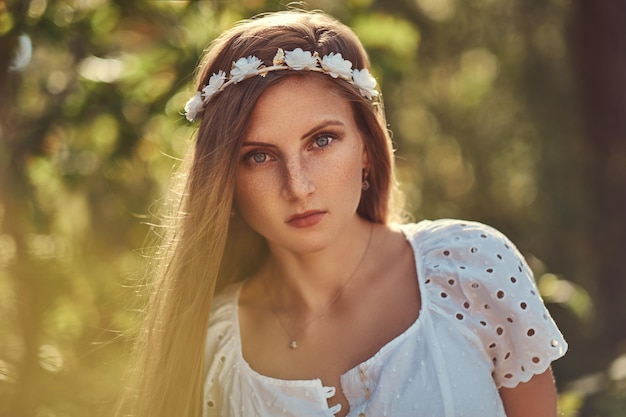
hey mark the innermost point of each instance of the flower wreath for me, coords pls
(331, 64)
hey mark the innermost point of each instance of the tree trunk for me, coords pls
(599, 43)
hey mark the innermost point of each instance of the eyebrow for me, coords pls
(322, 125)
(261, 144)
(317, 127)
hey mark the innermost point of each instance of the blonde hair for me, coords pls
(205, 248)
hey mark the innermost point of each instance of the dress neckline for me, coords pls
(408, 233)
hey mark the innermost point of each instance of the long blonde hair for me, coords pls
(205, 247)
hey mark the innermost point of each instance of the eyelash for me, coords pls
(327, 135)
(248, 157)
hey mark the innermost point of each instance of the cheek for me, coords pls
(254, 194)
(341, 174)
(353, 163)
(246, 191)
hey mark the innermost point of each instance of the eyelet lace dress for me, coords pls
(482, 326)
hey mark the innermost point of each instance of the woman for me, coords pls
(324, 307)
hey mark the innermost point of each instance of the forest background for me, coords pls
(512, 113)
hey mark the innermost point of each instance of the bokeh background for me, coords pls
(507, 112)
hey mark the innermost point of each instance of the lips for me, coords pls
(307, 219)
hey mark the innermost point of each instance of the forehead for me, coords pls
(295, 103)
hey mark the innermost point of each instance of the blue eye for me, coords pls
(259, 157)
(323, 141)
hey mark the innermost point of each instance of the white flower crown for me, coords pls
(331, 64)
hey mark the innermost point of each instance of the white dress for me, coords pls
(482, 326)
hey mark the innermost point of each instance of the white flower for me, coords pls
(279, 58)
(193, 106)
(336, 66)
(332, 64)
(299, 59)
(366, 83)
(215, 83)
(244, 67)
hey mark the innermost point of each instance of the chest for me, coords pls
(427, 371)
(366, 318)
(332, 348)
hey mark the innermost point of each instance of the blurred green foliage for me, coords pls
(481, 100)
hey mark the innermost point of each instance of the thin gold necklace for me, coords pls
(293, 344)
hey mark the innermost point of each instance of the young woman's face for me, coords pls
(300, 166)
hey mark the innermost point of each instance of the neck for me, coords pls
(307, 284)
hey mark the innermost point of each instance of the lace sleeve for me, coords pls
(490, 288)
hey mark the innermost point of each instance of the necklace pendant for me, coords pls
(293, 344)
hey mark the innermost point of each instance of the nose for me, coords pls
(297, 181)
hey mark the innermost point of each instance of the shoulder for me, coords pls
(433, 233)
(470, 261)
(222, 320)
(221, 348)
(223, 303)
(473, 275)
(463, 244)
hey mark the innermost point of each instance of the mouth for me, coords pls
(306, 219)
